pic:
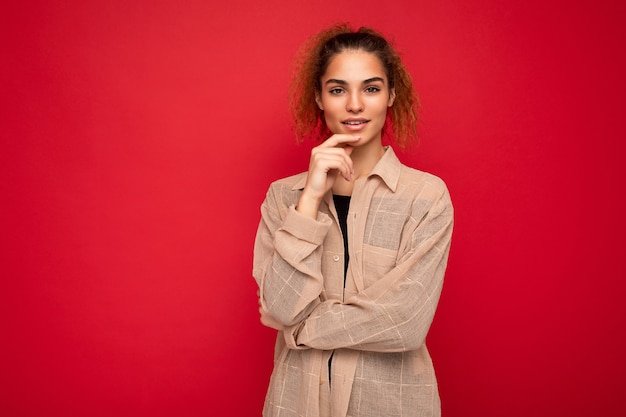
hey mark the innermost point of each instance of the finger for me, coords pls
(328, 163)
(342, 154)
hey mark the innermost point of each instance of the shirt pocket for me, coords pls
(385, 223)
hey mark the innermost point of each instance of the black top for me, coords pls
(342, 204)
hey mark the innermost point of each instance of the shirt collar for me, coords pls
(388, 169)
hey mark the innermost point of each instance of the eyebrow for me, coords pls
(343, 82)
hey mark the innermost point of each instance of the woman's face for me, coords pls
(355, 95)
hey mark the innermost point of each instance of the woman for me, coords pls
(350, 256)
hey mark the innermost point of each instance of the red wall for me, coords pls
(139, 137)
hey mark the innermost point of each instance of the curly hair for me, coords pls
(311, 63)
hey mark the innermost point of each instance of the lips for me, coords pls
(355, 122)
(354, 125)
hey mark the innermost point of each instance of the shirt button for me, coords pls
(336, 258)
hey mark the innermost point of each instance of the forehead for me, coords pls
(354, 65)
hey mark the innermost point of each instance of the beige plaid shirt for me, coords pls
(399, 230)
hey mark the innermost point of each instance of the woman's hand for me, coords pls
(266, 319)
(269, 321)
(328, 160)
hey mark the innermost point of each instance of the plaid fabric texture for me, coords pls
(399, 232)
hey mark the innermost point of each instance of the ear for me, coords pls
(318, 100)
(392, 97)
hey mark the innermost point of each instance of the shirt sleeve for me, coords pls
(287, 260)
(395, 313)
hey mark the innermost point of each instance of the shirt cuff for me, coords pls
(290, 334)
(305, 228)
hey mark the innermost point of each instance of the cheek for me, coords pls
(381, 108)
(329, 120)
(331, 112)
(332, 106)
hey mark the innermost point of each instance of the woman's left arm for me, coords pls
(395, 313)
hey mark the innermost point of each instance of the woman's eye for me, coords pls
(372, 89)
(335, 91)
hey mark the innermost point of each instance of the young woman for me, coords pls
(350, 256)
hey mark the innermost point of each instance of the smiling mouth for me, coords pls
(355, 122)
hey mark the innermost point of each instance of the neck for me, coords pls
(364, 159)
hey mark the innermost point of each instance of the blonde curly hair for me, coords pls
(311, 63)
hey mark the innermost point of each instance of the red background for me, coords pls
(139, 138)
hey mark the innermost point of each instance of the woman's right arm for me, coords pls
(287, 259)
(289, 241)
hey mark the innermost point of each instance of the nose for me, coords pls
(355, 103)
